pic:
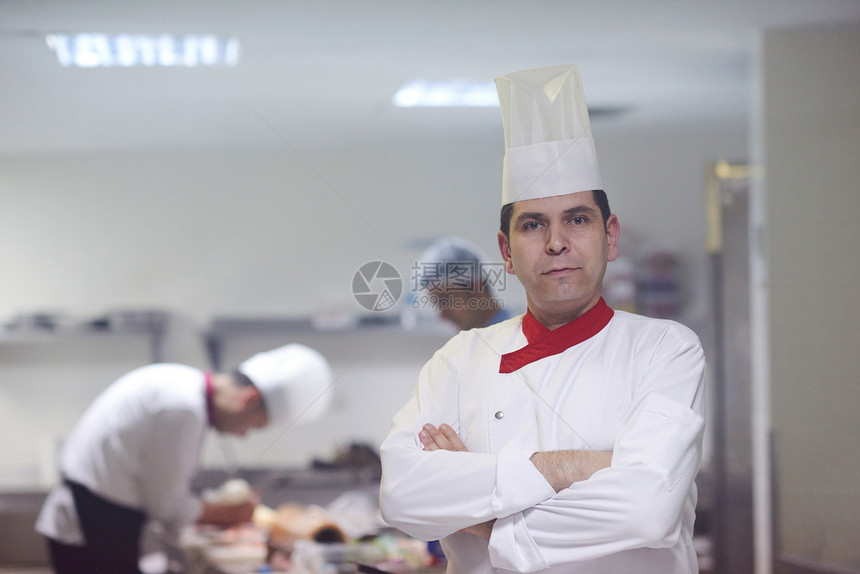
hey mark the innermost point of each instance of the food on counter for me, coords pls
(292, 527)
(304, 539)
(252, 547)
(388, 553)
(264, 516)
(234, 491)
(297, 522)
(207, 548)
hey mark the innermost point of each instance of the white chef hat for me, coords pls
(548, 145)
(294, 381)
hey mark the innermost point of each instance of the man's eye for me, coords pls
(530, 225)
(578, 220)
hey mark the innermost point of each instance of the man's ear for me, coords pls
(505, 250)
(613, 235)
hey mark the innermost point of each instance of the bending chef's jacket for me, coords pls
(635, 388)
(137, 445)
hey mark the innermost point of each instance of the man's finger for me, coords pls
(426, 439)
(452, 437)
(433, 439)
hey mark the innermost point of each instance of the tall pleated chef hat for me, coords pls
(294, 381)
(549, 149)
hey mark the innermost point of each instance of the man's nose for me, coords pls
(556, 241)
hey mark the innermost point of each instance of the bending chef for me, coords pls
(133, 454)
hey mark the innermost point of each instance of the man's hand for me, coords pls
(442, 438)
(227, 515)
(561, 468)
(445, 438)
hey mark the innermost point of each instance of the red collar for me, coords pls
(543, 342)
(210, 399)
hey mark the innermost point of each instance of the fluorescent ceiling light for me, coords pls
(126, 50)
(451, 93)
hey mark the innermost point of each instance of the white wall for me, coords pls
(231, 232)
(270, 233)
(264, 231)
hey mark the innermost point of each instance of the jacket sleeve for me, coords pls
(169, 463)
(640, 500)
(430, 495)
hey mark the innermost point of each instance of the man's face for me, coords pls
(245, 412)
(252, 418)
(558, 248)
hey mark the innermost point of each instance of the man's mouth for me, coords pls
(559, 271)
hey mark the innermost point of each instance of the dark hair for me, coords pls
(599, 198)
(505, 217)
(241, 379)
(603, 203)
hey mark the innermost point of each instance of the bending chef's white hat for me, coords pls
(548, 145)
(294, 381)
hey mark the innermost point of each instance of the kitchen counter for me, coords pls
(350, 496)
(246, 551)
(20, 545)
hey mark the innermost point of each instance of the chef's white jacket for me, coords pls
(137, 445)
(635, 388)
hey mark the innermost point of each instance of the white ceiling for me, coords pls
(323, 72)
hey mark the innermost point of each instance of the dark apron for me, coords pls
(111, 533)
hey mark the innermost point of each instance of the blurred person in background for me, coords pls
(133, 454)
(459, 282)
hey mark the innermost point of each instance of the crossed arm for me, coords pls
(560, 468)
